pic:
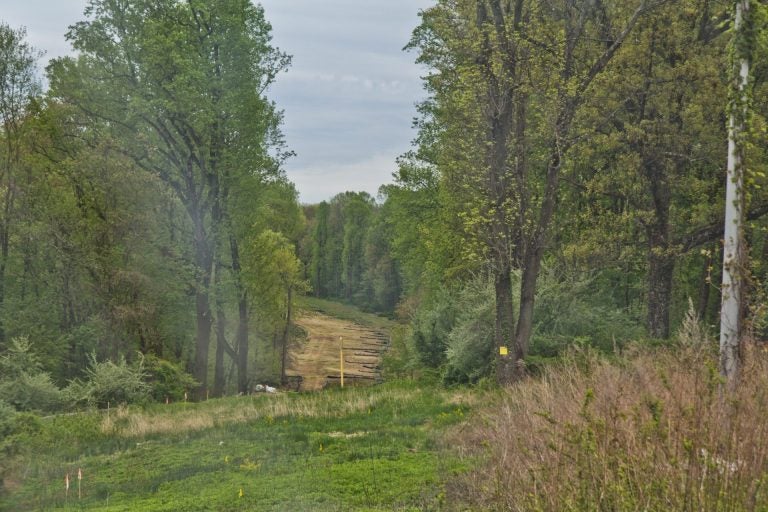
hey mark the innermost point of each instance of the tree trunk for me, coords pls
(286, 337)
(660, 273)
(242, 344)
(221, 328)
(531, 264)
(204, 318)
(530, 274)
(202, 340)
(242, 319)
(730, 313)
(505, 325)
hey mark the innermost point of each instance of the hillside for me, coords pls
(373, 448)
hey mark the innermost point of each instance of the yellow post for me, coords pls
(341, 359)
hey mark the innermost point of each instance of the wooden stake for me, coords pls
(341, 359)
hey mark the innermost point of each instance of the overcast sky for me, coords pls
(348, 98)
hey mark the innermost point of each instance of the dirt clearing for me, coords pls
(317, 360)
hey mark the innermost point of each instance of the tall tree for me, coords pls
(181, 86)
(645, 176)
(18, 86)
(508, 80)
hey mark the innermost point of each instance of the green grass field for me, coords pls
(373, 448)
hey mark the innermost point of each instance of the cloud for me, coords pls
(321, 182)
(348, 98)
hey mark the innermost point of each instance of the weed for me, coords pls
(652, 432)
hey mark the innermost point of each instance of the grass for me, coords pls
(653, 431)
(370, 449)
(346, 312)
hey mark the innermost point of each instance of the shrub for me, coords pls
(114, 383)
(31, 392)
(431, 328)
(23, 383)
(568, 309)
(470, 342)
(166, 379)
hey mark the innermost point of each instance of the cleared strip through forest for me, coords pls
(316, 361)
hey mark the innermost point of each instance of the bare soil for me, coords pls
(317, 360)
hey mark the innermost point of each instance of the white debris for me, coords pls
(264, 388)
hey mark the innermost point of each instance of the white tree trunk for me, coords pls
(730, 312)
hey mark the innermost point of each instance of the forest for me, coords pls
(567, 157)
(564, 199)
(570, 162)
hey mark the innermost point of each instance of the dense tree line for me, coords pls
(570, 156)
(347, 253)
(566, 186)
(143, 207)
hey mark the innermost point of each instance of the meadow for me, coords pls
(374, 448)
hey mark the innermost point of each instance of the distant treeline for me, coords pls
(347, 252)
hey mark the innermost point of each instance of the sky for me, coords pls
(348, 99)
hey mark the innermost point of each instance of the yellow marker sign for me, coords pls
(503, 351)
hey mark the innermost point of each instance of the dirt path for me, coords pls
(317, 360)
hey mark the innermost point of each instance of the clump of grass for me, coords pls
(655, 431)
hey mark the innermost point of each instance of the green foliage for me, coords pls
(32, 392)
(349, 254)
(23, 384)
(18, 359)
(569, 309)
(113, 383)
(166, 379)
(7, 418)
(431, 328)
(470, 349)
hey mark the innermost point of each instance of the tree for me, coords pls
(733, 250)
(644, 180)
(18, 87)
(508, 81)
(274, 276)
(180, 85)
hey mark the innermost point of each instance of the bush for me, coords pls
(23, 383)
(431, 328)
(109, 382)
(166, 379)
(470, 342)
(32, 392)
(568, 308)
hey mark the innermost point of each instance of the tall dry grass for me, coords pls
(137, 423)
(654, 431)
